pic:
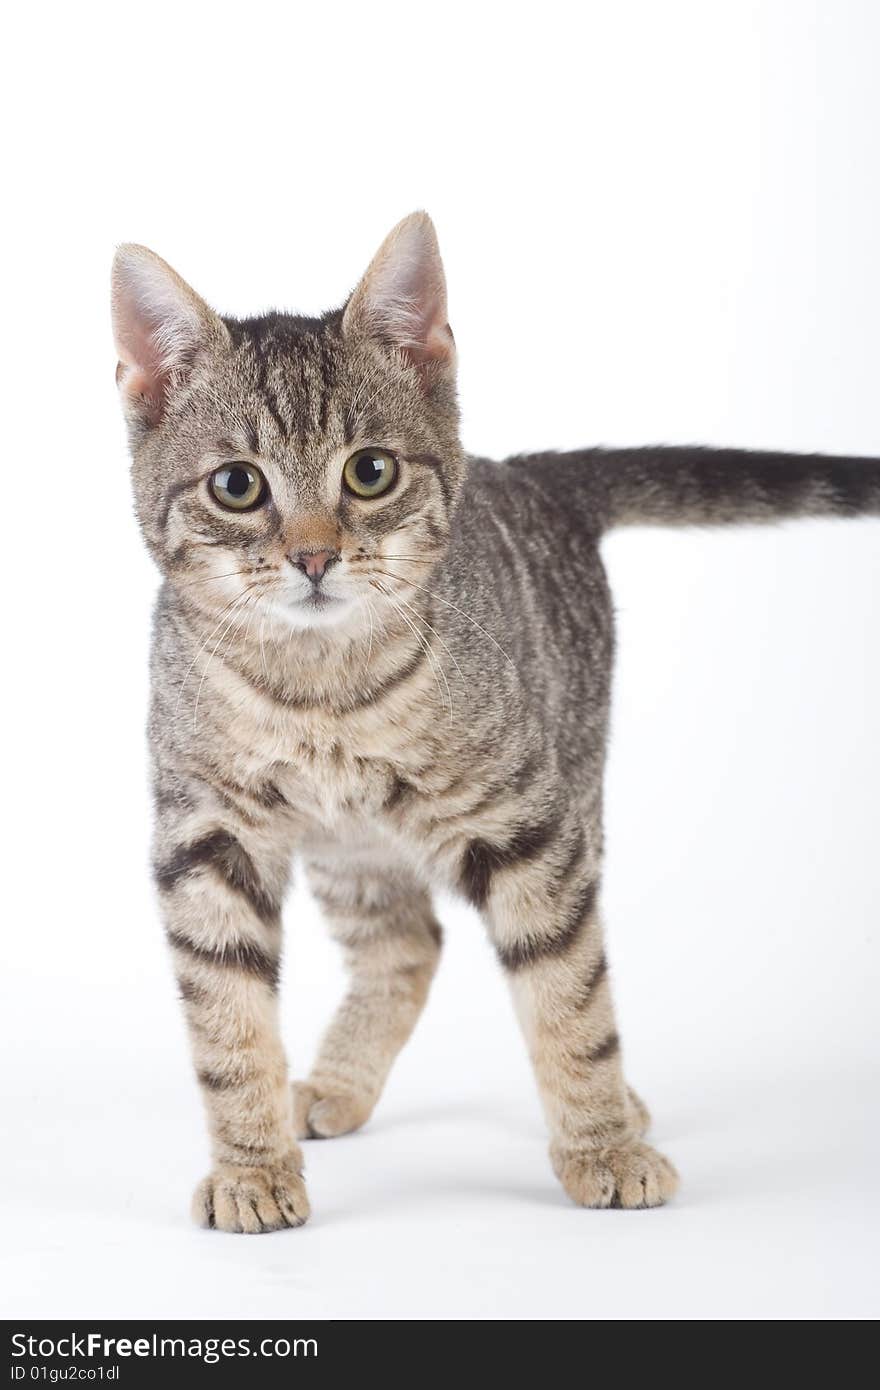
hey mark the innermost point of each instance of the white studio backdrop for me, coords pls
(660, 223)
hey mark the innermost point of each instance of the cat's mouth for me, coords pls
(315, 608)
(318, 599)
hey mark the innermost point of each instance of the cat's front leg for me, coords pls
(221, 876)
(549, 940)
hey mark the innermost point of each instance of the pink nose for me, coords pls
(314, 563)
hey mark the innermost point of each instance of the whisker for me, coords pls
(421, 618)
(414, 559)
(436, 666)
(225, 405)
(369, 607)
(204, 642)
(232, 623)
(263, 650)
(439, 598)
(365, 603)
(247, 631)
(212, 578)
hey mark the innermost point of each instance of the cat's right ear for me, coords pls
(160, 326)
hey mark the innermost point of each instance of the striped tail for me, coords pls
(691, 486)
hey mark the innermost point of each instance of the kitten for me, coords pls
(393, 661)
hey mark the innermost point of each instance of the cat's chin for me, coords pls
(315, 611)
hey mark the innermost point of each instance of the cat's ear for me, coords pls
(402, 298)
(160, 326)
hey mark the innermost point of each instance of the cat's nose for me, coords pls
(314, 563)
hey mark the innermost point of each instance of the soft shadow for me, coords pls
(450, 1113)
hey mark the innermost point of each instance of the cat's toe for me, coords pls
(632, 1175)
(319, 1113)
(251, 1201)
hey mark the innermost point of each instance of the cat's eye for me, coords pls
(370, 472)
(238, 486)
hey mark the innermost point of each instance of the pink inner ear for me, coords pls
(143, 387)
(439, 344)
(141, 372)
(409, 298)
(158, 324)
(402, 297)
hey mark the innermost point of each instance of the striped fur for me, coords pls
(432, 712)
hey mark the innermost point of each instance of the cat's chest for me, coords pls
(335, 769)
(334, 783)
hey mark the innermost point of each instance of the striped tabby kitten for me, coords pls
(394, 662)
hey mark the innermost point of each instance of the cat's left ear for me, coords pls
(401, 300)
(160, 326)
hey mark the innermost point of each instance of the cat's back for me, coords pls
(545, 497)
(524, 562)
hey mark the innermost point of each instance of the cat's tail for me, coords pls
(670, 486)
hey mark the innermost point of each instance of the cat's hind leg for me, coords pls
(386, 926)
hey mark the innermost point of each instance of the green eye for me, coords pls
(370, 472)
(238, 486)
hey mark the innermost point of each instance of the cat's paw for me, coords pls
(638, 1113)
(319, 1113)
(632, 1175)
(251, 1200)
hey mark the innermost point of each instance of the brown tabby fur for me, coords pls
(433, 711)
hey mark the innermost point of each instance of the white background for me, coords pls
(660, 223)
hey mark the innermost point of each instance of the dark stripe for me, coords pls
(394, 513)
(256, 1150)
(566, 869)
(222, 853)
(435, 464)
(396, 678)
(524, 953)
(177, 797)
(435, 932)
(327, 371)
(269, 796)
(400, 788)
(273, 410)
(517, 782)
(591, 984)
(436, 534)
(182, 551)
(368, 697)
(483, 860)
(582, 906)
(228, 1137)
(191, 993)
(242, 956)
(232, 804)
(215, 1082)
(609, 1047)
(171, 496)
(268, 398)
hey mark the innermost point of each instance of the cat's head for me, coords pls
(304, 461)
